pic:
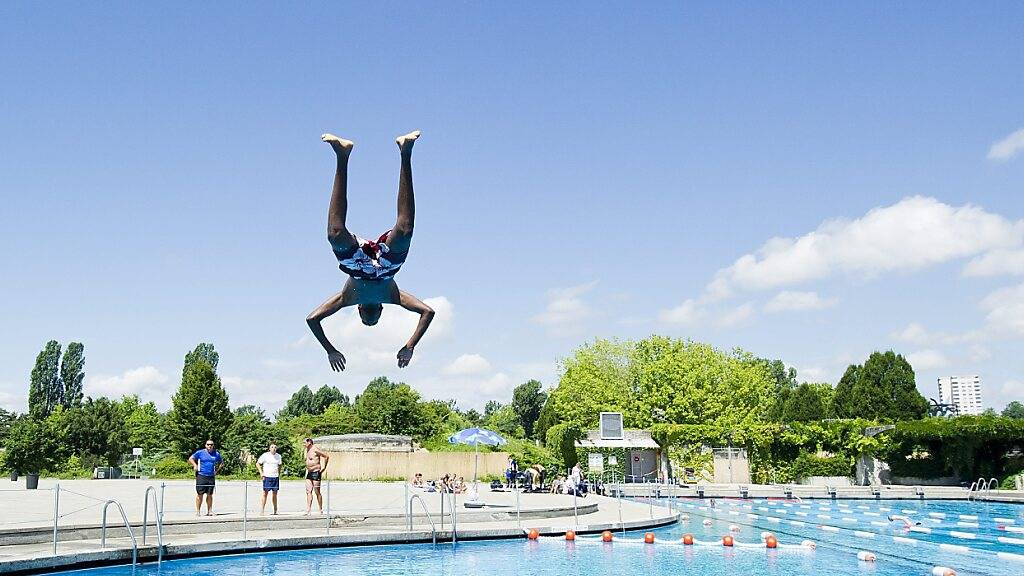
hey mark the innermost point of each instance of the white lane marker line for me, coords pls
(863, 534)
(954, 548)
(1010, 556)
(903, 540)
(965, 535)
(1006, 540)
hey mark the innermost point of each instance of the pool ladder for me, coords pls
(408, 518)
(127, 526)
(158, 512)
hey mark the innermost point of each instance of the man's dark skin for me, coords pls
(370, 294)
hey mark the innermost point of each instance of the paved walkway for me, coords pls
(360, 513)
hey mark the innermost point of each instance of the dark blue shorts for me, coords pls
(271, 484)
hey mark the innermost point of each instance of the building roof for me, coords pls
(365, 443)
(630, 439)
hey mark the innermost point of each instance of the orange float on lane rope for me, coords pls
(570, 535)
(726, 540)
(688, 539)
(649, 538)
(771, 542)
(606, 536)
(533, 534)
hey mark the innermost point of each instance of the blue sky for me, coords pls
(585, 170)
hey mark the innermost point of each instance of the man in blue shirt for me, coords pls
(206, 462)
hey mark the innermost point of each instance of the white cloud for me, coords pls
(737, 315)
(145, 381)
(996, 263)
(812, 374)
(789, 300)
(1007, 147)
(913, 233)
(1005, 309)
(13, 402)
(686, 313)
(1010, 390)
(979, 353)
(927, 360)
(914, 333)
(566, 309)
(375, 347)
(467, 365)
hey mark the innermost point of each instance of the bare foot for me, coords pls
(405, 142)
(340, 145)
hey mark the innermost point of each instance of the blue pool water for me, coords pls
(971, 544)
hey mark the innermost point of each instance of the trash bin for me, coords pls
(31, 481)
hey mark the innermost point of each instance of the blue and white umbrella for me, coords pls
(475, 437)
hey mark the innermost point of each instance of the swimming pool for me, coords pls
(972, 537)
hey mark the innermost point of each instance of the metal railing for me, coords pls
(159, 520)
(127, 526)
(451, 505)
(991, 482)
(433, 529)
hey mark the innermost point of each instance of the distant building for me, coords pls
(964, 392)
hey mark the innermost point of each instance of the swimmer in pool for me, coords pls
(907, 523)
(370, 264)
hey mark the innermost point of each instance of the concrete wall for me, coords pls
(433, 465)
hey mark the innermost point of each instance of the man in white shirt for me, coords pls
(269, 466)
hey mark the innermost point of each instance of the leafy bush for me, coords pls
(173, 467)
(807, 465)
(72, 468)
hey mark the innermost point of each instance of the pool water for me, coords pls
(971, 544)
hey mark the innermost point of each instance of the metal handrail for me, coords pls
(159, 522)
(992, 481)
(127, 526)
(433, 529)
(621, 523)
(519, 520)
(451, 504)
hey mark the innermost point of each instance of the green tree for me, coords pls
(72, 374)
(199, 409)
(389, 407)
(145, 425)
(685, 382)
(506, 422)
(6, 420)
(98, 428)
(301, 402)
(527, 401)
(785, 383)
(44, 392)
(595, 379)
(1014, 410)
(473, 417)
(337, 419)
(251, 409)
(882, 389)
(203, 352)
(22, 449)
(250, 435)
(491, 407)
(326, 396)
(808, 403)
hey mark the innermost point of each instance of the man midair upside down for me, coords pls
(370, 264)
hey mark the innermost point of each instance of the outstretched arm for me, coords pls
(332, 305)
(414, 304)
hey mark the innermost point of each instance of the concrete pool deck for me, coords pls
(360, 513)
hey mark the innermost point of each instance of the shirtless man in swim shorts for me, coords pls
(314, 472)
(370, 264)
